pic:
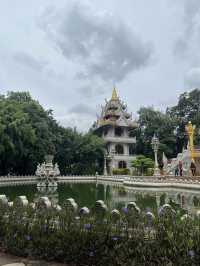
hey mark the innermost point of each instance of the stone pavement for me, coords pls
(5, 259)
(15, 264)
(9, 259)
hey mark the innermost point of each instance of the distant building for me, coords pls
(116, 127)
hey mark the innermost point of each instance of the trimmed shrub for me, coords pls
(122, 171)
(99, 236)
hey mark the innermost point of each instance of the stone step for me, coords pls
(14, 264)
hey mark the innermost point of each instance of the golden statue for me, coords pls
(191, 130)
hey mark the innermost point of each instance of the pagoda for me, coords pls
(116, 126)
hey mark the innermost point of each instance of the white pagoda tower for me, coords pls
(116, 127)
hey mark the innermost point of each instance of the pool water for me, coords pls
(115, 196)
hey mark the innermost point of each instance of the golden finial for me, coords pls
(114, 95)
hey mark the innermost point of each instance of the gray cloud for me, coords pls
(85, 91)
(82, 109)
(91, 90)
(30, 61)
(103, 45)
(192, 78)
(90, 45)
(190, 32)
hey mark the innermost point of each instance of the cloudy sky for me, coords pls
(69, 53)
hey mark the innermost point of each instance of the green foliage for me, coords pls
(150, 122)
(28, 133)
(169, 126)
(142, 164)
(125, 237)
(122, 171)
(80, 154)
(187, 109)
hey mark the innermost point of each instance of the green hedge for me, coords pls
(122, 171)
(100, 237)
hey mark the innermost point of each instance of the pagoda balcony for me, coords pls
(124, 157)
(121, 139)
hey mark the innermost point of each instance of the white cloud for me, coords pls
(82, 123)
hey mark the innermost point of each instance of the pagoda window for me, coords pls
(107, 148)
(118, 131)
(105, 131)
(119, 149)
(132, 133)
(122, 164)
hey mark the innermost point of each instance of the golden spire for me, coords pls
(114, 95)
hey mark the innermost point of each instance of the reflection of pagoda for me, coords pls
(116, 127)
(50, 192)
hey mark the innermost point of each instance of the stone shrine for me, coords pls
(192, 153)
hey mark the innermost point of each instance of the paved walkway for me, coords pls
(7, 259)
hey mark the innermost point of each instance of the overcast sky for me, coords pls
(69, 53)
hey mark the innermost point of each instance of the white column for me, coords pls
(105, 167)
(156, 169)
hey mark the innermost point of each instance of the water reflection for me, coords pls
(148, 199)
(50, 192)
(114, 195)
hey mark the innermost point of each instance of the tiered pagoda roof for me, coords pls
(115, 113)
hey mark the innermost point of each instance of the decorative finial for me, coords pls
(114, 95)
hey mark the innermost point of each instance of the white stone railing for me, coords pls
(10, 178)
(162, 178)
(115, 177)
(151, 180)
(123, 179)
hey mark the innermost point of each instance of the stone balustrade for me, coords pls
(45, 208)
(147, 181)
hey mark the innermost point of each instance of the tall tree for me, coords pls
(187, 109)
(155, 122)
(80, 154)
(28, 133)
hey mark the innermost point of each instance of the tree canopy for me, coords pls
(28, 133)
(155, 122)
(187, 109)
(142, 164)
(169, 126)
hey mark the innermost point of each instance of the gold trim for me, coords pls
(104, 122)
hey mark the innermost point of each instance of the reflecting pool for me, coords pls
(114, 195)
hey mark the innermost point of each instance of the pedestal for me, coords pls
(156, 172)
